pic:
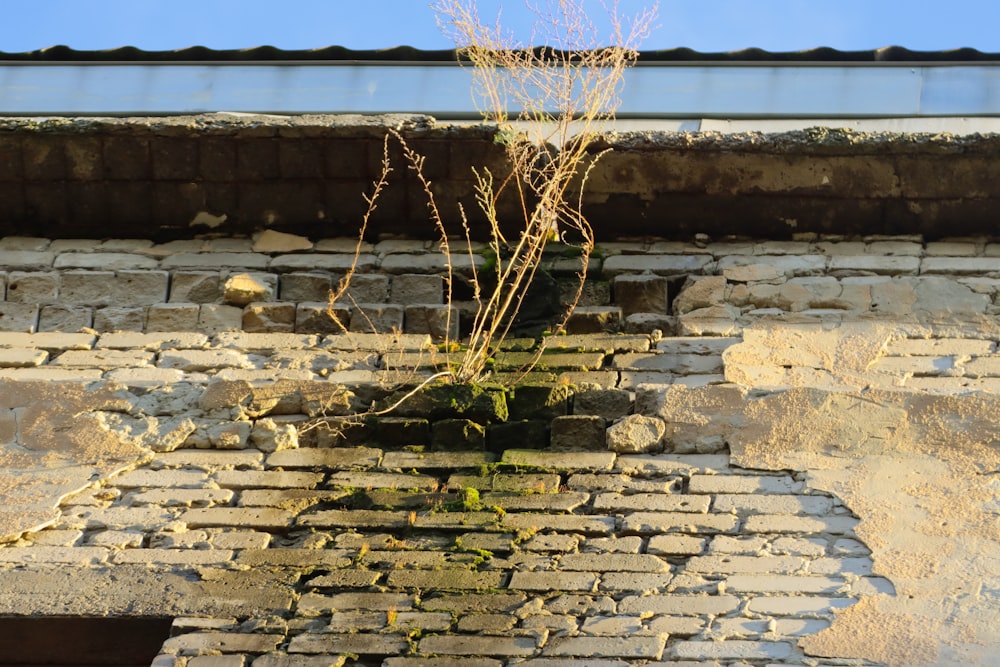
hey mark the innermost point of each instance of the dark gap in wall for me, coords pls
(81, 642)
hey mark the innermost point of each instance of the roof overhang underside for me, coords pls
(236, 174)
(688, 91)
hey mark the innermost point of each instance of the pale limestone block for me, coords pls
(36, 287)
(172, 317)
(113, 318)
(272, 241)
(243, 288)
(417, 289)
(259, 317)
(195, 286)
(213, 318)
(750, 273)
(269, 436)
(701, 292)
(21, 317)
(215, 260)
(302, 286)
(64, 318)
(636, 434)
(22, 357)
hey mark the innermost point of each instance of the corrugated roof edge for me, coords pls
(410, 54)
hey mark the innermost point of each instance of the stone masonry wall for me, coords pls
(280, 282)
(742, 454)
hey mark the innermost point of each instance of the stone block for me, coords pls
(103, 260)
(606, 647)
(432, 262)
(195, 286)
(788, 523)
(647, 323)
(167, 478)
(87, 288)
(207, 643)
(457, 435)
(960, 265)
(36, 287)
(952, 248)
(64, 318)
(983, 367)
(594, 319)
(213, 318)
(789, 265)
(267, 479)
(700, 292)
(172, 317)
(396, 432)
(27, 260)
(139, 288)
(215, 260)
(662, 265)
(285, 660)
(607, 403)
(680, 605)
(743, 484)
(517, 434)
(364, 288)
(648, 523)
(752, 273)
(34, 243)
(654, 502)
(120, 319)
(875, 264)
(303, 286)
(104, 358)
(417, 288)
(574, 461)
(732, 649)
(578, 433)
(376, 318)
(440, 322)
(676, 545)
(269, 317)
(273, 242)
(445, 579)
(241, 289)
(269, 436)
(22, 357)
(711, 321)
(641, 294)
(348, 457)
(593, 292)
(635, 434)
(261, 518)
(539, 401)
(337, 263)
(203, 360)
(313, 318)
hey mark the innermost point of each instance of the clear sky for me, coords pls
(705, 25)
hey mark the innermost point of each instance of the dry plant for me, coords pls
(563, 94)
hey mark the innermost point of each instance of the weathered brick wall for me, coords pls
(280, 283)
(774, 436)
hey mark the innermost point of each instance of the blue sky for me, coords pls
(706, 25)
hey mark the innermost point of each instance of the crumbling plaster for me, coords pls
(54, 445)
(921, 471)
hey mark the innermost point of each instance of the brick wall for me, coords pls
(172, 435)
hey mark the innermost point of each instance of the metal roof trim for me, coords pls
(328, 54)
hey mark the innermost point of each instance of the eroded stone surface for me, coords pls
(60, 448)
(917, 469)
